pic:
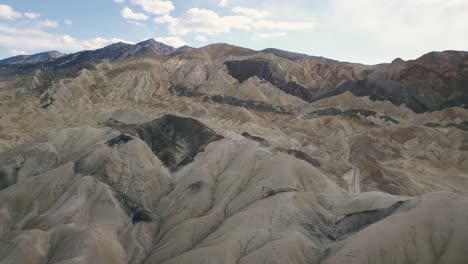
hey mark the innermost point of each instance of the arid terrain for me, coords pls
(149, 154)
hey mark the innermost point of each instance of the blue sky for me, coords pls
(367, 31)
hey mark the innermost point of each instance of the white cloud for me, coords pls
(158, 7)
(196, 20)
(128, 13)
(203, 21)
(172, 41)
(271, 35)
(164, 19)
(67, 22)
(36, 40)
(8, 13)
(119, 1)
(406, 27)
(208, 22)
(94, 43)
(251, 12)
(200, 38)
(16, 52)
(32, 15)
(280, 25)
(444, 2)
(136, 23)
(223, 3)
(238, 22)
(49, 24)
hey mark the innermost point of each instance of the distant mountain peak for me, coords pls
(55, 52)
(150, 40)
(152, 43)
(148, 43)
(398, 61)
(294, 56)
(443, 57)
(118, 44)
(153, 46)
(185, 47)
(31, 59)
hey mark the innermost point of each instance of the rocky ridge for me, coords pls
(145, 154)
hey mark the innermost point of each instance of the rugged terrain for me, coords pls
(149, 154)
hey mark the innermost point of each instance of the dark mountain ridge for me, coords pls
(88, 58)
(31, 59)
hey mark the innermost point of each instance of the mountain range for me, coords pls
(32, 59)
(432, 82)
(144, 153)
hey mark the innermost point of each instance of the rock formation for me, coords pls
(149, 154)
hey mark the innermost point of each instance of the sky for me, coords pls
(366, 31)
